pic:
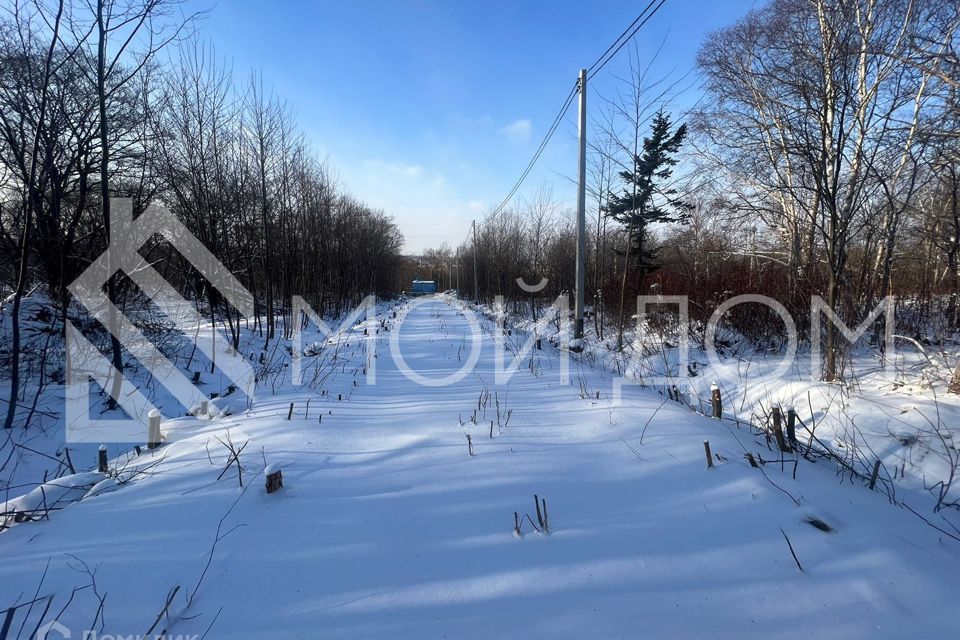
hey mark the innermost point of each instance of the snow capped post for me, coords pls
(274, 477)
(153, 431)
(716, 400)
(102, 459)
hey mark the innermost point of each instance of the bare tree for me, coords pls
(18, 138)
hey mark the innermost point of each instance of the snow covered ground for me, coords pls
(896, 411)
(387, 527)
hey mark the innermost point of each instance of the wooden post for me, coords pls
(290, 412)
(716, 400)
(792, 427)
(153, 432)
(102, 459)
(706, 450)
(873, 476)
(778, 429)
(274, 478)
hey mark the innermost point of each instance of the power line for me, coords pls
(598, 64)
(621, 36)
(595, 68)
(536, 155)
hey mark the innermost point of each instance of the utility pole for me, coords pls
(581, 207)
(476, 284)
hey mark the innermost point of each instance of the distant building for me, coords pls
(423, 287)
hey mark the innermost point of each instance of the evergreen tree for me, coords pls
(647, 197)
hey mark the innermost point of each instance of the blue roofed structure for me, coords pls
(423, 287)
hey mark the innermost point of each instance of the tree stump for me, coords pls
(274, 478)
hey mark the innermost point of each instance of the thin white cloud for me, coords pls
(517, 130)
(461, 121)
(398, 168)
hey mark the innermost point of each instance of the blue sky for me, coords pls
(430, 109)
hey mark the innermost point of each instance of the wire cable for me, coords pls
(600, 65)
(595, 68)
(536, 155)
(621, 36)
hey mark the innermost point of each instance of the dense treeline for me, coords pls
(88, 113)
(823, 158)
